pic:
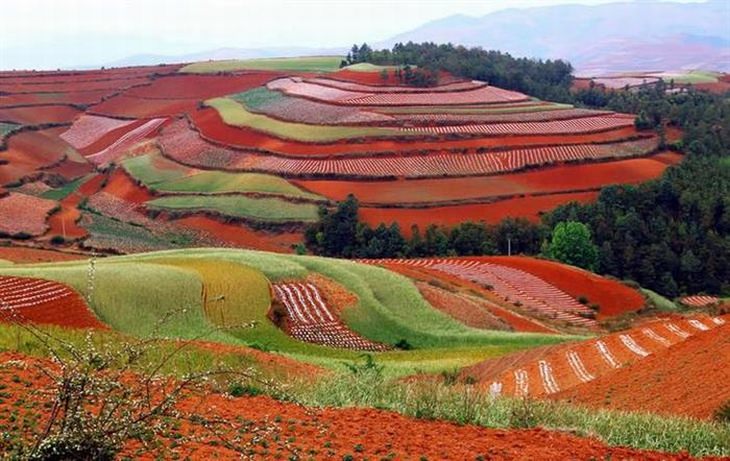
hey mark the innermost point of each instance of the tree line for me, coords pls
(545, 79)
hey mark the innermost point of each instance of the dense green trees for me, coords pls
(340, 234)
(572, 244)
(671, 235)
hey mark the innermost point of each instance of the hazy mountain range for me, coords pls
(644, 35)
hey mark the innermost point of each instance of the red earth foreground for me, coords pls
(287, 429)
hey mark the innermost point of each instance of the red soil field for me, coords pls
(65, 221)
(39, 115)
(200, 87)
(240, 236)
(553, 179)
(70, 170)
(525, 207)
(327, 433)
(24, 255)
(121, 185)
(669, 157)
(130, 107)
(719, 87)
(212, 128)
(689, 379)
(30, 151)
(24, 214)
(81, 97)
(109, 138)
(71, 85)
(42, 301)
(614, 297)
(554, 369)
(84, 76)
(467, 310)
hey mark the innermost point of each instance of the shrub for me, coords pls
(583, 299)
(403, 344)
(58, 240)
(523, 415)
(722, 414)
(246, 389)
(96, 408)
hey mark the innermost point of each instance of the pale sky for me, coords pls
(53, 33)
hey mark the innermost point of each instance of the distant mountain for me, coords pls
(644, 35)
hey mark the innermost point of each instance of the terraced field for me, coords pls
(211, 147)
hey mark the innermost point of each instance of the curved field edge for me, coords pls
(132, 293)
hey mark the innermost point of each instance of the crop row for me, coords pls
(185, 146)
(44, 301)
(358, 87)
(551, 127)
(513, 285)
(529, 114)
(24, 214)
(517, 286)
(443, 164)
(483, 95)
(125, 142)
(310, 320)
(699, 300)
(564, 367)
(89, 128)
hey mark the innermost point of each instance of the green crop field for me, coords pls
(257, 209)
(368, 67)
(132, 293)
(67, 189)
(6, 128)
(106, 232)
(692, 76)
(234, 113)
(168, 177)
(297, 64)
(510, 109)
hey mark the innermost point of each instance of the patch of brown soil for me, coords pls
(22, 255)
(466, 309)
(690, 379)
(286, 429)
(240, 236)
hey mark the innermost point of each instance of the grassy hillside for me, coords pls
(133, 293)
(300, 64)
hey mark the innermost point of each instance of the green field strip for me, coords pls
(297, 64)
(166, 176)
(257, 209)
